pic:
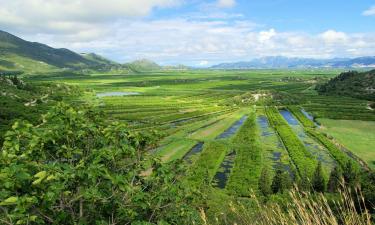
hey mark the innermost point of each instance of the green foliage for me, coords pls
(248, 163)
(318, 181)
(26, 101)
(335, 179)
(353, 84)
(350, 173)
(265, 182)
(301, 158)
(208, 162)
(281, 181)
(75, 168)
(339, 155)
(302, 118)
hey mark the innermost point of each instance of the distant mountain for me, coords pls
(143, 65)
(353, 84)
(280, 62)
(98, 59)
(18, 54)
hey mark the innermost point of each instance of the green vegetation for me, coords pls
(301, 158)
(115, 149)
(74, 167)
(353, 84)
(357, 136)
(248, 162)
(204, 168)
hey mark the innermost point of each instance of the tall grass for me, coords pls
(303, 208)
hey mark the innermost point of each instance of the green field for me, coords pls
(235, 134)
(358, 136)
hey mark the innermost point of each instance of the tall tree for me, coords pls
(350, 174)
(265, 182)
(318, 181)
(281, 181)
(335, 179)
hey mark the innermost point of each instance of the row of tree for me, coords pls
(282, 180)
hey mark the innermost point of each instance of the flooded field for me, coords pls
(317, 150)
(222, 175)
(195, 150)
(232, 129)
(274, 149)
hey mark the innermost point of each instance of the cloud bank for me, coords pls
(123, 31)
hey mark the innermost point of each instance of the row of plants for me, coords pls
(248, 162)
(302, 159)
(340, 157)
(207, 163)
(299, 115)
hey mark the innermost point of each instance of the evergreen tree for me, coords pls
(318, 181)
(286, 181)
(265, 182)
(277, 181)
(281, 181)
(304, 182)
(335, 179)
(350, 174)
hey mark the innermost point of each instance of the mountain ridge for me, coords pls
(281, 62)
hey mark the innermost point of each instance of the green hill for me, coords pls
(143, 65)
(354, 84)
(18, 54)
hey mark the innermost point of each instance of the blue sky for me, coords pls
(197, 33)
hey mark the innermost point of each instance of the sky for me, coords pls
(196, 33)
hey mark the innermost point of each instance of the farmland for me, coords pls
(192, 107)
(236, 134)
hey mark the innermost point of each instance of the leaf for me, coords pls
(10, 201)
(41, 174)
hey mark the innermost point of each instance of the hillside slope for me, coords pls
(18, 54)
(353, 84)
(143, 65)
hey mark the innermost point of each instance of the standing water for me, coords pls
(317, 150)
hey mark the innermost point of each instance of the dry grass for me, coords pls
(304, 208)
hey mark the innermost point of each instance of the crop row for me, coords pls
(302, 159)
(299, 115)
(248, 162)
(341, 158)
(208, 162)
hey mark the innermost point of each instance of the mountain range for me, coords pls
(17, 54)
(280, 62)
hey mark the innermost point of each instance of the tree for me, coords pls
(75, 168)
(318, 181)
(350, 174)
(335, 179)
(265, 182)
(304, 183)
(281, 181)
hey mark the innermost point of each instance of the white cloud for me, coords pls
(226, 3)
(69, 15)
(194, 42)
(369, 12)
(203, 63)
(332, 36)
(114, 28)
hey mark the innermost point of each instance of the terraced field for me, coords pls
(227, 126)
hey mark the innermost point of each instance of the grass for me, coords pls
(357, 136)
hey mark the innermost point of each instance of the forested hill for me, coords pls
(354, 84)
(18, 54)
